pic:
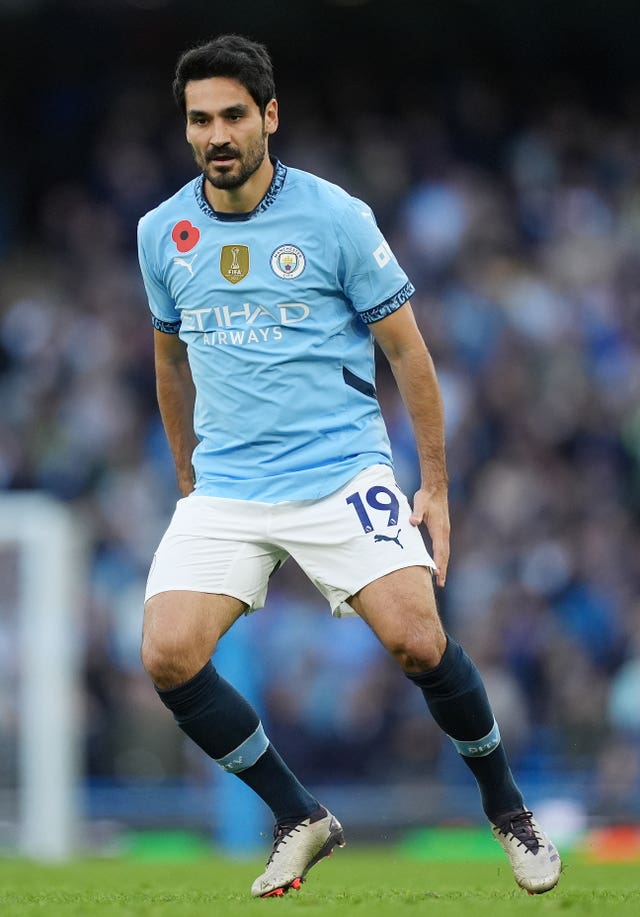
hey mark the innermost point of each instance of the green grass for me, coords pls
(354, 881)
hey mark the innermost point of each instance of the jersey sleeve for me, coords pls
(371, 277)
(164, 315)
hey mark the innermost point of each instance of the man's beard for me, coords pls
(248, 165)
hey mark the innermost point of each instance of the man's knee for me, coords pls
(415, 638)
(171, 660)
(417, 649)
(181, 631)
(161, 663)
(155, 659)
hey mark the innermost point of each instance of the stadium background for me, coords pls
(499, 144)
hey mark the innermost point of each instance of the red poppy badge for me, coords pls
(185, 235)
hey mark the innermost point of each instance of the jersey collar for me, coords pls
(279, 175)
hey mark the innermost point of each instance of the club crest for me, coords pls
(234, 262)
(288, 262)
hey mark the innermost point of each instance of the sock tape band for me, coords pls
(246, 754)
(478, 748)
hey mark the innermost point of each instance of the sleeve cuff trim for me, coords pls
(165, 327)
(389, 305)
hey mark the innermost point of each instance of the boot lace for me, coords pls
(280, 835)
(519, 824)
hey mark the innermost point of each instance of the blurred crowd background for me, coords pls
(499, 145)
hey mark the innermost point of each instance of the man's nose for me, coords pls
(219, 134)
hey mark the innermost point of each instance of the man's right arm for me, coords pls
(176, 398)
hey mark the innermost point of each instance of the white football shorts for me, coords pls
(342, 542)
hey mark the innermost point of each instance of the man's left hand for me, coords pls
(431, 506)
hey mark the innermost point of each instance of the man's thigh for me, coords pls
(185, 618)
(401, 610)
(181, 630)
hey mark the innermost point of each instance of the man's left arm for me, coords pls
(403, 345)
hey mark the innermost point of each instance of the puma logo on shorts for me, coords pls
(395, 538)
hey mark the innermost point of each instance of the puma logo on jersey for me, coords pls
(184, 263)
(395, 538)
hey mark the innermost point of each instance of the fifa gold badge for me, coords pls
(234, 262)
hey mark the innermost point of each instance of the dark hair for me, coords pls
(233, 56)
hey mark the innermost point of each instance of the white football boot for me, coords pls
(534, 859)
(296, 848)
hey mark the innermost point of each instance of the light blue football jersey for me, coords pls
(274, 306)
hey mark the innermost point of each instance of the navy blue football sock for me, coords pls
(225, 726)
(458, 702)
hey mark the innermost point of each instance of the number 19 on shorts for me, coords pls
(376, 498)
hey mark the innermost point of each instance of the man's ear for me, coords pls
(271, 117)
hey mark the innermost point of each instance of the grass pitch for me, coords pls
(354, 881)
